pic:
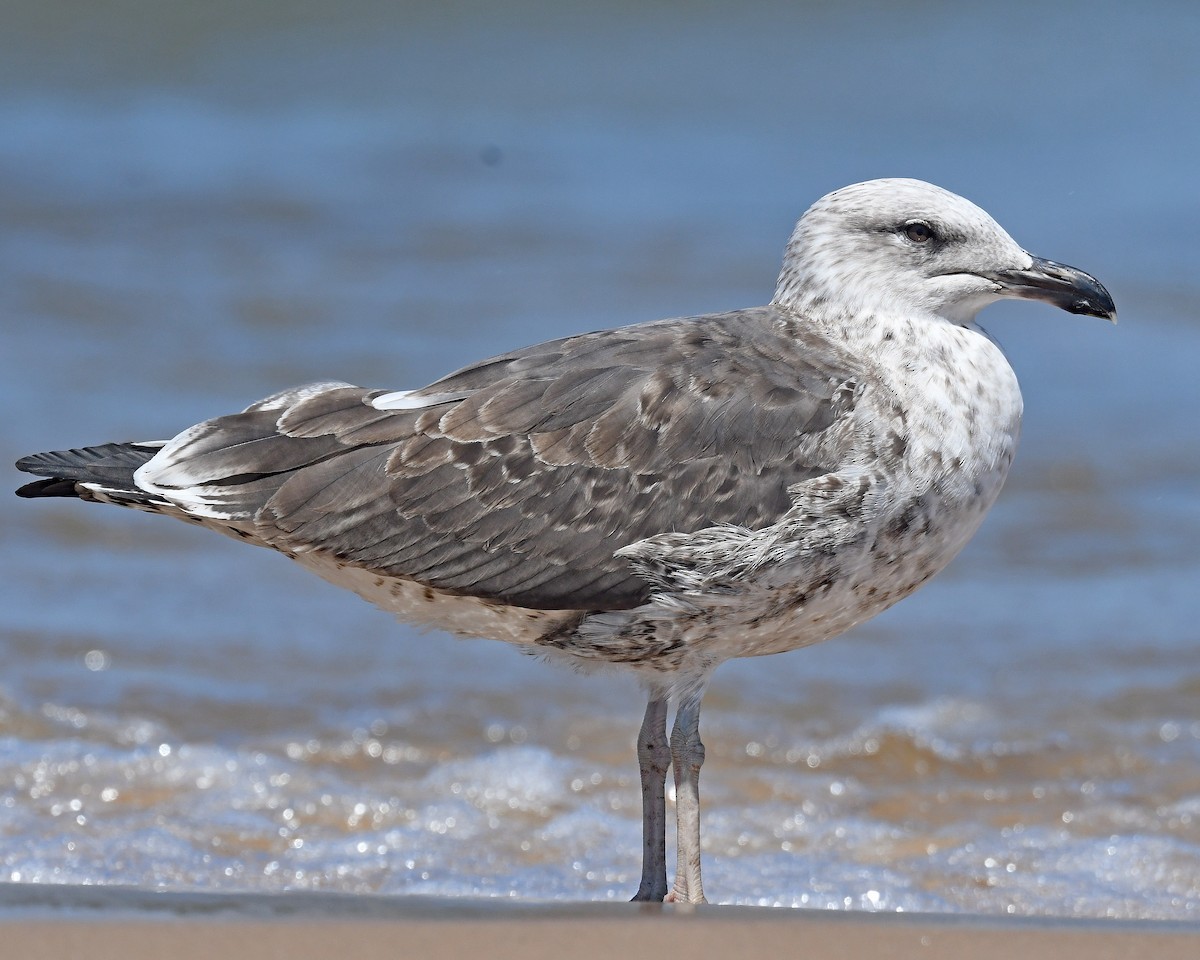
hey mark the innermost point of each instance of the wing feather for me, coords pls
(528, 472)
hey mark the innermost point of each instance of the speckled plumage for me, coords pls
(661, 497)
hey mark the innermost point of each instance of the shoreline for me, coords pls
(99, 922)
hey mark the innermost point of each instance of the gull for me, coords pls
(656, 498)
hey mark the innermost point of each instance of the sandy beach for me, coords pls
(43, 921)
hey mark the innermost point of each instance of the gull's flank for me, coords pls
(658, 498)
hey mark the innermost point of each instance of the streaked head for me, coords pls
(908, 247)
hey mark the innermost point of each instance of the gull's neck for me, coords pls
(955, 384)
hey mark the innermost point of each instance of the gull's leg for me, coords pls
(687, 756)
(653, 757)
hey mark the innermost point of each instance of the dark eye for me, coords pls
(918, 231)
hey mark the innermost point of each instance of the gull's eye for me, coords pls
(918, 231)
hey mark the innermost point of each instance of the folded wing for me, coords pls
(517, 479)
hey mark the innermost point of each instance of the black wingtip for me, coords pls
(29, 464)
(109, 464)
(51, 487)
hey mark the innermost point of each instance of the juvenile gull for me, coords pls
(661, 497)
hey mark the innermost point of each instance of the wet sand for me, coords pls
(39, 921)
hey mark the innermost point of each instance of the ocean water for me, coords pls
(201, 204)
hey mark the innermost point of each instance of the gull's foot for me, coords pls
(651, 892)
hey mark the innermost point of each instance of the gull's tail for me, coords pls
(103, 474)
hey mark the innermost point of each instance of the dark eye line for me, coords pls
(935, 238)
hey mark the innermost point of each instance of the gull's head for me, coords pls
(907, 247)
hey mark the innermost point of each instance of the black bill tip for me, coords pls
(1067, 288)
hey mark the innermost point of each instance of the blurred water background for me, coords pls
(202, 203)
